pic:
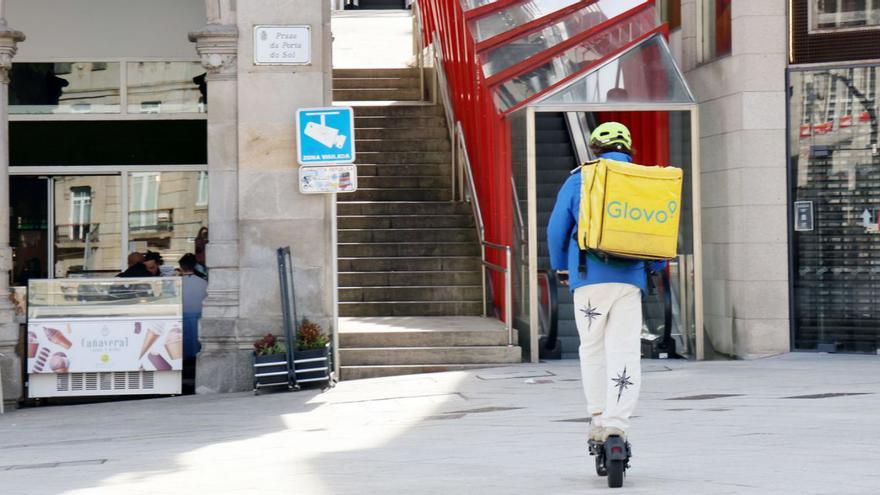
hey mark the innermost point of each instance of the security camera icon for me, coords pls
(325, 135)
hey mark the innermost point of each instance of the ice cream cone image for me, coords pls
(149, 339)
(159, 362)
(33, 345)
(174, 343)
(59, 363)
(57, 337)
(41, 360)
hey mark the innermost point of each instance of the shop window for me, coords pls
(670, 12)
(836, 15)
(716, 24)
(835, 171)
(68, 87)
(80, 212)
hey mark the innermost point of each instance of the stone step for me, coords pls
(411, 132)
(399, 170)
(408, 249)
(405, 222)
(375, 82)
(380, 94)
(377, 72)
(396, 122)
(421, 338)
(411, 293)
(385, 145)
(362, 372)
(400, 110)
(405, 264)
(407, 182)
(383, 194)
(403, 208)
(399, 278)
(411, 308)
(372, 356)
(426, 234)
(403, 157)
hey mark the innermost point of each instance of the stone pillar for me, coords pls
(222, 354)
(10, 360)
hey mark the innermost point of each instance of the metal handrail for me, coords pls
(471, 195)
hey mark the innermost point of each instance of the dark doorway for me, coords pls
(28, 207)
(375, 4)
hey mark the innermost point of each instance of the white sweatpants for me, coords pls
(609, 322)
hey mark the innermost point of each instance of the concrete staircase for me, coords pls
(405, 249)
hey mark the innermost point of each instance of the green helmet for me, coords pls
(611, 135)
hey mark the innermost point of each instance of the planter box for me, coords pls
(270, 371)
(312, 365)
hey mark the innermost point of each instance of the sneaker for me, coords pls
(611, 431)
(597, 431)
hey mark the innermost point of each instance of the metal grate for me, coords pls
(91, 381)
(105, 381)
(149, 380)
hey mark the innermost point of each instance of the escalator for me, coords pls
(559, 150)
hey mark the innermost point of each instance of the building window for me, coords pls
(716, 29)
(836, 15)
(202, 199)
(80, 212)
(144, 201)
(670, 12)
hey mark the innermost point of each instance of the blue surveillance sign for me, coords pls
(325, 135)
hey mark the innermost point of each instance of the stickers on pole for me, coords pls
(328, 179)
(325, 136)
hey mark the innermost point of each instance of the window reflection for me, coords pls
(165, 87)
(64, 87)
(575, 59)
(515, 16)
(166, 212)
(844, 14)
(87, 226)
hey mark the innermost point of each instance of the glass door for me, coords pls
(28, 229)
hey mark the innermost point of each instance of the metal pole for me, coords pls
(508, 295)
(483, 272)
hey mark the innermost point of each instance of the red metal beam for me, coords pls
(541, 58)
(662, 29)
(535, 25)
(485, 10)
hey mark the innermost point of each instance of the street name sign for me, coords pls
(282, 45)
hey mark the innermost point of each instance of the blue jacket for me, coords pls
(564, 251)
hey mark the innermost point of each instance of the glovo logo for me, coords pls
(616, 209)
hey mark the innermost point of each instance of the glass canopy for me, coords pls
(644, 74)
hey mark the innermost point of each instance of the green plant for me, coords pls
(268, 345)
(310, 336)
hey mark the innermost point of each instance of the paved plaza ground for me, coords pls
(771, 426)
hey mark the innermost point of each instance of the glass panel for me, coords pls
(521, 281)
(64, 87)
(103, 298)
(645, 74)
(166, 87)
(514, 16)
(87, 226)
(519, 49)
(29, 234)
(716, 29)
(843, 14)
(472, 4)
(835, 170)
(166, 212)
(575, 59)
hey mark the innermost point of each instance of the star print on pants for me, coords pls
(590, 312)
(622, 383)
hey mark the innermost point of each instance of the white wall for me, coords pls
(95, 29)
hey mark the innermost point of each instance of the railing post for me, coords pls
(508, 295)
(483, 273)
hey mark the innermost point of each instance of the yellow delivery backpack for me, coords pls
(629, 210)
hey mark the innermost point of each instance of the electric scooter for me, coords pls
(612, 459)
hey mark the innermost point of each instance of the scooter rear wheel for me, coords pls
(615, 473)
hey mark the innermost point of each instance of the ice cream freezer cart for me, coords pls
(93, 337)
